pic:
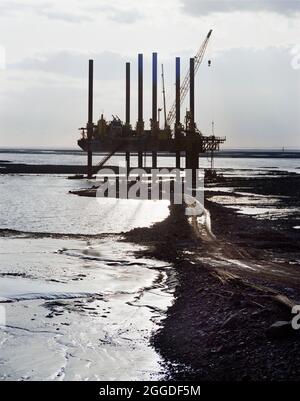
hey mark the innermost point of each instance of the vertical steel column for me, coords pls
(177, 110)
(140, 123)
(192, 93)
(127, 156)
(154, 105)
(140, 159)
(154, 159)
(127, 112)
(90, 126)
(154, 89)
(140, 88)
(192, 163)
(177, 96)
(178, 159)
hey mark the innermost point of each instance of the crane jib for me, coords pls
(186, 81)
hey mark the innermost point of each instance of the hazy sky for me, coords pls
(252, 90)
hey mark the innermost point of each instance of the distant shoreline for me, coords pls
(230, 153)
(15, 168)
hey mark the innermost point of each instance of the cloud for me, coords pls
(108, 65)
(52, 115)
(205, 7)
(14, 7)
(253, 96)
(119, 15)
(63, 16)
(44, 9)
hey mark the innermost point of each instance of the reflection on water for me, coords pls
(42, 203)
(85, 310)
(260, 206)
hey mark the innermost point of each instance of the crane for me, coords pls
(186, 82)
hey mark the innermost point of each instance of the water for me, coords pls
(79, 303)
(43, 203)
(79, 158)
(79, 310)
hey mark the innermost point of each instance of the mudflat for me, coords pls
(236, 288)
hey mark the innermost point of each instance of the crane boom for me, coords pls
(164, 94)
(184, 88)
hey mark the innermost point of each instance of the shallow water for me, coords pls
(256, 205)
(42, 203)
(87, 307)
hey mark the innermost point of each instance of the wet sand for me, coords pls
(232, 288)
(78, 309)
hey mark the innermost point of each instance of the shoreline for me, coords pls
(231, 291)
